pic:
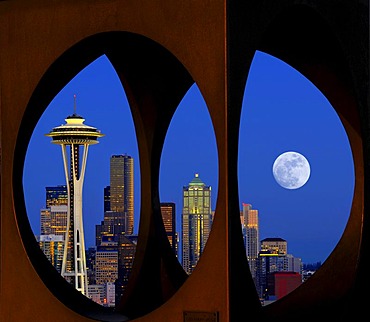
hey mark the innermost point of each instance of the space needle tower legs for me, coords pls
(75, 236)
(77, 137)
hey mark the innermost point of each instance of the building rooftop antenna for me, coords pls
(74, 104)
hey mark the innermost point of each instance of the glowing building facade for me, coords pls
(250, 227)
(52, 246)
(53, 225)
(56, 196)
(196, 221)
(276, 245)
(122, 189)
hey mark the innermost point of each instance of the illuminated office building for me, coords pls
(122, 188)
(250, 227)
(196, 221)
(53, 220)
(97, 293)
(271, 258)
(118, 222)
(53, 225)
(106, 263)
(114, 224)
(294, 264)
(168, 211)
(279, 246)
(56, 196)
(110, 236)
(52, 246)
(106, 269)
(75, 137)
(276, 245)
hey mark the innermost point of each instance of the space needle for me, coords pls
(76, 137)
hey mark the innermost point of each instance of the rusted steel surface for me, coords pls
(44, 44)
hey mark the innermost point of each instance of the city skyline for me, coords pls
(95, 98)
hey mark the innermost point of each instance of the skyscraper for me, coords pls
(53, 225)
(272, 258)
(56, 196)
(114, 224)
(52, 246)
(106, 271)
(106, 198)
(53, 218)
(126, 254)
(196, 221)
(77, 137)
(118, 220)
(168, 211)
(276, 245)
(250, 229)
(122, 188)
(106, 262)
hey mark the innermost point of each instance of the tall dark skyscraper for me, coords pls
(126, 254)
(107, 198)
(118, 223)
(196, 221)
(168, 210)
(250, 227)
(76, 136)
(122, 188)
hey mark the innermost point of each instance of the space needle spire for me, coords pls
(74, 104)
(75, 137)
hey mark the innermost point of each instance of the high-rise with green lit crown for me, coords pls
(196, 221)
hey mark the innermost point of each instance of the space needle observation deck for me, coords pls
(75, 137)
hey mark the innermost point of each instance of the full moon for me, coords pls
(291, 170)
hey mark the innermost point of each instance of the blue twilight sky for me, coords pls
(282, 111)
